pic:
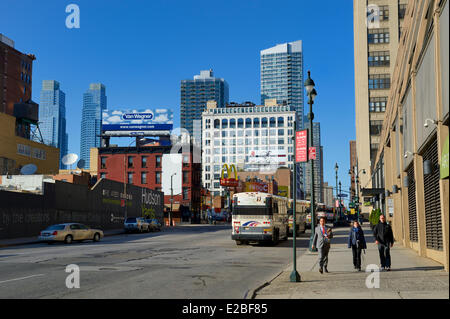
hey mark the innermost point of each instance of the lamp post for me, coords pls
(336, 168)
(295, 276)
(357, 188)
(125, 175)
(171, 198)
(340, 208)
(311, 92)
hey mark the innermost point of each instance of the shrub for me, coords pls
(375, 216)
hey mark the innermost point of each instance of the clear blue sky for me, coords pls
(141, 50)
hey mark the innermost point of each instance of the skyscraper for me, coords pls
(52, 117)
(282, 79)
(94, 101)
(194, 95)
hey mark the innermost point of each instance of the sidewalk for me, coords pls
(34, 240)
(411, 276)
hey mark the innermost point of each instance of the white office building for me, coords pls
(253, 138)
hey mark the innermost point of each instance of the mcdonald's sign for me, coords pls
(229, 181)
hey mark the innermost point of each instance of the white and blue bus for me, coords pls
(259, 217)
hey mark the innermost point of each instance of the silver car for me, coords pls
(69, 232)
(138, 224)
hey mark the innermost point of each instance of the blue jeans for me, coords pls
(385, 255)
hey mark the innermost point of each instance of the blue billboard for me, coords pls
(134, 122)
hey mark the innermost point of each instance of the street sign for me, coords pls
(301, 139)
(342, 195)
(312, 153)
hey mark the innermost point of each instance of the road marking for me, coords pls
(21, 278)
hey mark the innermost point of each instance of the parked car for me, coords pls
(136, 224)
(69, 232)
(155, 225)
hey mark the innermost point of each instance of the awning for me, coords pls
(175, 207)
(371, 191)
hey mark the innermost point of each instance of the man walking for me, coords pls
(384, 238)
(322, 236)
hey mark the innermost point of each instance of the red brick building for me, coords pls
(15, 75)
(154, 168)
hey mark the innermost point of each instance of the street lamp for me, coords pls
(295, 276)
(336, 168)
(340, 208)
(171, 198)
(311, 92)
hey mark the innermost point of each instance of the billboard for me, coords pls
(137, 122)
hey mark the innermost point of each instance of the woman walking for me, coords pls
(357, 243)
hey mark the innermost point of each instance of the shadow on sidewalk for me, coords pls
(424, 268)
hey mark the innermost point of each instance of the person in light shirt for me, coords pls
(322, 240)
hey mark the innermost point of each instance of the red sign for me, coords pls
(312, 153)
(301, 139)
(122, 203)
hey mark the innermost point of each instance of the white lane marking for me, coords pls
(21, 278)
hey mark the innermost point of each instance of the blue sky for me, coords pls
(141, 50)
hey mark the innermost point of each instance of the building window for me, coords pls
(144, 162)
(248, 123)
(224, 123)
(185, 177)
(377, 104)
(158, 161)
(264, 122)
(376, 36)
(185, 193)
(280, 122)
(158, 178)
(256, 122)
(379, 58)
(379, 81)
(130, 162)
(402, 10)
(185, 160)
(102, 162)
(384, 13)
(375, 127)
(232, 123)
(217, 124)
(130, 178)
(240, 123)
(143, 178)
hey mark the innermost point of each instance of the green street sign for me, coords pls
(444, 160)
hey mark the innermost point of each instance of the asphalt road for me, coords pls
(198, 261)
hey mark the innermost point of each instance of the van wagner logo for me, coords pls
(138, 116)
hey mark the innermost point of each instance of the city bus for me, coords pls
(259, 217)
(301, 208)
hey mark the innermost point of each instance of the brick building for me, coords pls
(156, 168)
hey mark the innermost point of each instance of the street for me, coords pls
(193, 261)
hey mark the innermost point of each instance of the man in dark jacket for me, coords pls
(357, 242)
(384, 238)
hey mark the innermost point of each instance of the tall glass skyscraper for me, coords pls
(282, 79)
(194, 95)
(52, 117)
(282, 76)
(94, 102)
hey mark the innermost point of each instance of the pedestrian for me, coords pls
(357, 243)
(384, 238)
(322, 240)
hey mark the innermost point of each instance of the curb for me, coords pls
(39, 242)
(251, 293)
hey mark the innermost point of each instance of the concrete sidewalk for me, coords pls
(411, 276)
